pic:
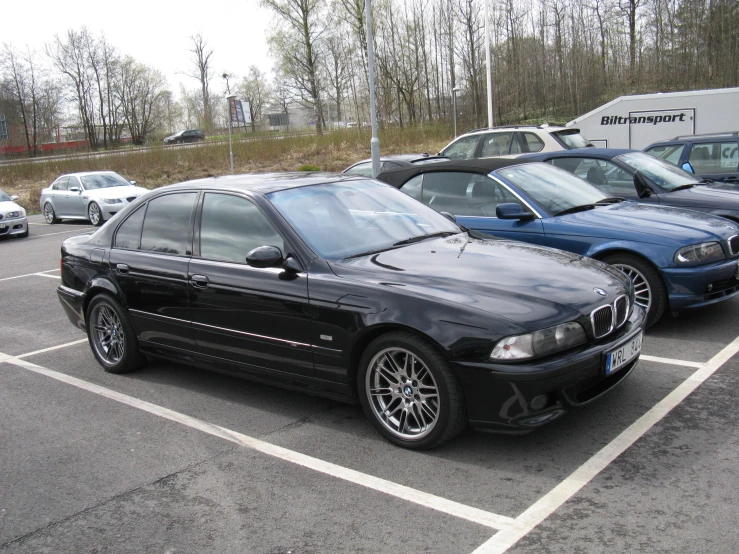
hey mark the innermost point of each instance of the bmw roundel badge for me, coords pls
(600, 291)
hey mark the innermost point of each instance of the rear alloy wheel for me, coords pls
(111, 336)
(408, 391)
(49, 214)
(94, 214)
(649, 291)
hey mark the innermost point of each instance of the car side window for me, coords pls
(364, 170)
(61, 183)
(166, 223)
(604, 174)
(670, 153)
(413, 187)
(232, 226)
(129, 233)
(497, 144)
(74, 182)
(532, 143)
(464, 194)
(714, 157)
(463, 149)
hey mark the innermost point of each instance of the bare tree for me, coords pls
(23, 88)
(203, 66)
(255, 90)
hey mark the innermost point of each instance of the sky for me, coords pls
(154, 32)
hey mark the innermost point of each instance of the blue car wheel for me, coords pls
(649, 290)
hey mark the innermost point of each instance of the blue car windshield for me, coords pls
(552, 188)
(343, 219)
(662, 173)
(103, 181)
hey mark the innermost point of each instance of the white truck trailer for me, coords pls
(638, 121)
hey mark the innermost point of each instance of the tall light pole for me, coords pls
(455, 90)
(487, 63)
(375, 142)
(230, 147)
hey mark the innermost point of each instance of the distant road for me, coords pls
(124, 151)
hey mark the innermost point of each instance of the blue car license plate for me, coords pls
(623, 354)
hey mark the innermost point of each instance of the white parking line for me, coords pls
(549, 503)
(57, 347)
(37, 274)
(59, 233)
(434, 502)
(670, 361)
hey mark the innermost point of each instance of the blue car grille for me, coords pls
(602, 320)
(734, 245)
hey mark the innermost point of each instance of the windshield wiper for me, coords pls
(574, 209)
(705, 182)
(683, 187)
(424, 237)
(610, 200)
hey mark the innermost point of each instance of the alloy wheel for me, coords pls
(108, 338)
(402, 393)
(642, 290)
(94, 213)
(48, 213)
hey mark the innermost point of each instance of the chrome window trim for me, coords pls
(592, 320)
(514, 193)
(290, 342)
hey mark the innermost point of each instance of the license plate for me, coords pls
(3, 225)
(623, 354)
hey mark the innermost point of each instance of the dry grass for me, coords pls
(163, 166)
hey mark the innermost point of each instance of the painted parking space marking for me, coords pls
(36, 274)
(51, 348)
(670, 361)
(549, 503)
(449, 507)
(59, 233)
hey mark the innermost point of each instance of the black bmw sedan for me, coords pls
(348, 288)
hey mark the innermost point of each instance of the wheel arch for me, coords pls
(99, 286)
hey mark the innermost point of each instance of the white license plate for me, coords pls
(623, 355)
(3, 225)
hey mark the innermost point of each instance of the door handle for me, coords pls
(123, 269)
(200, 281)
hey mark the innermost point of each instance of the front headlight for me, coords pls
(700, 254)
(112, 200)
(13, 215)
(539, 343)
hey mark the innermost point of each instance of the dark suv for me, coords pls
(190, 135)
(714, 156)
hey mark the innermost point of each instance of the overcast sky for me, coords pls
(155, 32)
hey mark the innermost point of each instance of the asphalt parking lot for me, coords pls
(177, 460)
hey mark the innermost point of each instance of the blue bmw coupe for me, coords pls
(676, 258)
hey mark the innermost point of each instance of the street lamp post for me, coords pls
(375, 142)
(455, 90)
(230, 121)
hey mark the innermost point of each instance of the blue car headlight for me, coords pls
(112, 200)
(700, 254)
(539, 343)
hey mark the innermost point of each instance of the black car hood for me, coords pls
(532, 286)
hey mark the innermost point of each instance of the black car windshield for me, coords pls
(662, 173)
(339, 220)
(103, 181)
(4, 197)
(552, 188)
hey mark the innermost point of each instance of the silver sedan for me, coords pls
(13, 220)
(94, 195)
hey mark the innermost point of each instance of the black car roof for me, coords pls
(262, 182)
(482, 166)
(602, 153)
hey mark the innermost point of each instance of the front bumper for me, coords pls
(688, 287)
(499, 396)
(17, 226)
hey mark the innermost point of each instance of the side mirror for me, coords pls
(264, 256)
(74, 189)
(14, 198)
(132, 182)
(449, 216)
(291, 263)
(687, 166)
(642, 187)
(512, 211)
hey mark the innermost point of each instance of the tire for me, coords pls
(50, 214)
(94, 214)
(649, 290)
(111, 336)
(421, 423)
(24, 235)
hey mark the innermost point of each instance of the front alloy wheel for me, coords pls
(403, 393)
(649, 290)
(408, 391)
(94, 214)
